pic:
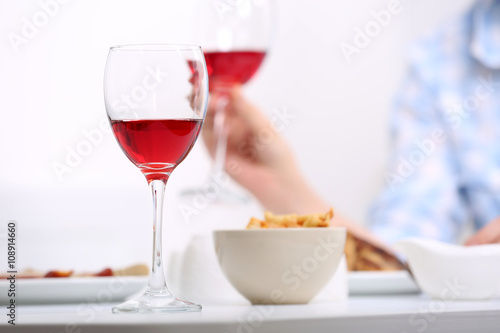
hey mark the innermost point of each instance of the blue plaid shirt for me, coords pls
(445, 168)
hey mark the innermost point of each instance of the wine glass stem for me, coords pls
(220, 135)
(157, 283)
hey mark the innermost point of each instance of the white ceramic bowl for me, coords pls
(447, 271)
(279, 266)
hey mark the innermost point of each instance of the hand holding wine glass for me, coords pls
(258, 157)
(156, 98)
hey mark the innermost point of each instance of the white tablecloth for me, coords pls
(403, 313)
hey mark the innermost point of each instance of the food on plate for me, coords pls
(135, 270)
(365, 256)
(58, 274)
(361, 255)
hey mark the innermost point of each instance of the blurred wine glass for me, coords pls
(235, 36)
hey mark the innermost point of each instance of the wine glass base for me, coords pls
(156, 304)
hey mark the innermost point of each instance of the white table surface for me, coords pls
(403, 313)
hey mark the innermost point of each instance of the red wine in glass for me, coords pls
(156, 146)
(226, 69)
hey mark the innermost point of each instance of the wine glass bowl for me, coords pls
(156, 99)
(235, 40)
(154, 95)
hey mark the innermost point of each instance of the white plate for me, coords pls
(376, 283)
(72, 290)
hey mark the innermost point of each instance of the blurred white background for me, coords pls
(99, 213)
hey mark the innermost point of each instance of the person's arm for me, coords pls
(259, 159)
(489, 234)
(421, 195)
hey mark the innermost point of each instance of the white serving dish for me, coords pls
(448, 271)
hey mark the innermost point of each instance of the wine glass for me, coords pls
(235, 36)
(156, 99)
